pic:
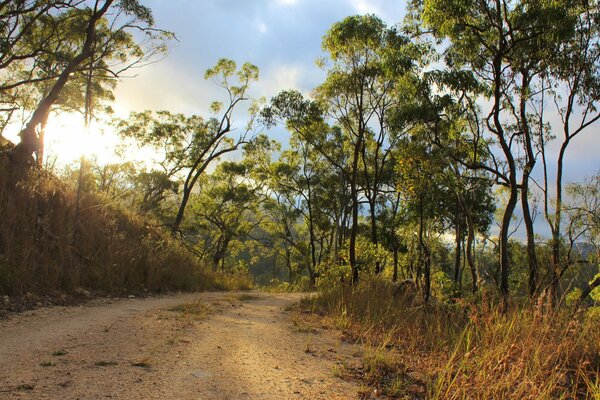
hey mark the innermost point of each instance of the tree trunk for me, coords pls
(457, 247)
(529, 165)
(22, 154)
(312, 278)
(503, 241)
(354, 228)
(426, 255)
(395, 273)
(179, 217)
(531, 254)
(470, 260)
(556, 228)
(374, 236)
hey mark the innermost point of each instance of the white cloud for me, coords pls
(279, 77)
(262, 27)
(286, 2)
(365, 7)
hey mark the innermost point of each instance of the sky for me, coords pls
(281, 37)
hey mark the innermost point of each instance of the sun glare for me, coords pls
(67, 140)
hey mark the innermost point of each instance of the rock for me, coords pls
(6, 300)
(131, 296)
(81, 292)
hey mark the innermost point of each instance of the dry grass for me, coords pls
(49, 244)
(233, 282)
(196, 310)
(464, 351)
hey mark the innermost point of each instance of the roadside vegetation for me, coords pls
(462, 349)
(422, 192)
(53, 242)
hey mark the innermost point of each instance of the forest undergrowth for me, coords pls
(52, 242)
(464, 350)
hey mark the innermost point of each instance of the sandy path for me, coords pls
(137, 349)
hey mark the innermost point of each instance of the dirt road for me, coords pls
(248, 347)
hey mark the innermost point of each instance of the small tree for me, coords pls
(191, 144)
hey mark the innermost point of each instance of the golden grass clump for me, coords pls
(464, 350)
(50, 243)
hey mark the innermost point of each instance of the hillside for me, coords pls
(52, 243)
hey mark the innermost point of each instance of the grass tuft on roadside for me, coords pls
(462, 350)
(196, 310)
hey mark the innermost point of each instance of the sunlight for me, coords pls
(67, 140)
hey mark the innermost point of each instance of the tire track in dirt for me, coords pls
(247, 348)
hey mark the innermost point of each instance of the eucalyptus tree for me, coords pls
(422, 182)
(90, 89)
(475, 209)
(281, 231)
(573, 73)
(313, 174)
(283, 235)
(223, 211)
(391, 218)
(192, 143)
(584, 214)
(32, 30)
(21, 39)
(367, 59)
(294, 180)
(499, 43)
(303, 176)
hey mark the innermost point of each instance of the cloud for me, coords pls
(279, 77)
(286, 2)
(261, 27)
(365, 7)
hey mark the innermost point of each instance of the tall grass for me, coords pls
(49, 242)
(465, 351)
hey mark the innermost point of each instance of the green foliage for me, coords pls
(225, 69)
(443, 288)
(222, 214)
(137, 10)
(46, 40)
(332, 275)
(572, 298)
(395, 152)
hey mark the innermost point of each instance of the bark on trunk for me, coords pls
(21, 155)
(470, 259)
(395, 273)
(354, 228)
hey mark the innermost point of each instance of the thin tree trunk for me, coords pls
(426, 255)
(528, 168)
(395, 273)
(30, 141)
(374, 236)
(354, 227)
(470, 259)
(457, 246)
